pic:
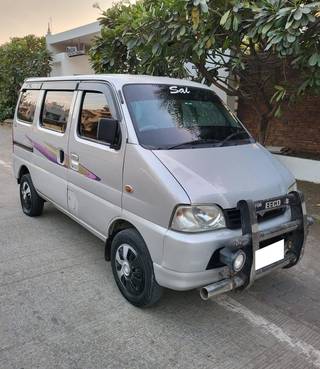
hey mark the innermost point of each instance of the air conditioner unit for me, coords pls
(75, 50)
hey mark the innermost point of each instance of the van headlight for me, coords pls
(293, 187)
(197, 218)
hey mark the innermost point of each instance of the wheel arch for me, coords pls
(22, 171)
(115, 227)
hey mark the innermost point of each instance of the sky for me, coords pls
(22, 17)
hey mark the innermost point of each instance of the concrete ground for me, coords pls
(60, 308)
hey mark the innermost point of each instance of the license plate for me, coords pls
(269, 254)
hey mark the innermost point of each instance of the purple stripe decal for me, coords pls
(86, 172)
(51, 153)
(48, 152)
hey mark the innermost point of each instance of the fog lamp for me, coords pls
(234, 259)
(239, 261)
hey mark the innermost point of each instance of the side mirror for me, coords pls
(109, 132)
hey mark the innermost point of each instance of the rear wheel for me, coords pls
(31, 202)
(133, 269)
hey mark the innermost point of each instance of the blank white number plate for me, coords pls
(269, 254)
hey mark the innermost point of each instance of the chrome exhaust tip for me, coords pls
(214, 289)
(204, 293)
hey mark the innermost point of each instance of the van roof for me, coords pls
(119, 79)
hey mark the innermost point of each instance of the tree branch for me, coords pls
(214, 80)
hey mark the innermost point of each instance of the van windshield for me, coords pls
(176, 117)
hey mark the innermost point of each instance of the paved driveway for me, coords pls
(59, 306)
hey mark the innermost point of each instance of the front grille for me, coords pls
(233, 218)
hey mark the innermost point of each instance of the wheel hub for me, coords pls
(126, 269)
(26, 192)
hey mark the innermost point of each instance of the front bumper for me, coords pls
(189, 259)
(182, 281)
(294, 231)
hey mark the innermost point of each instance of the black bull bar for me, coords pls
(294, 232)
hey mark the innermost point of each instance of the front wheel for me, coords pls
(31, 202)
(133, 269)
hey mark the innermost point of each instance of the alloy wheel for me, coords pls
(26, 195)
(129, 269)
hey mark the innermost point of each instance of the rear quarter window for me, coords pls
(27, 105)
(56, 109)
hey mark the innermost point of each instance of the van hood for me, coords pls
(225, 175)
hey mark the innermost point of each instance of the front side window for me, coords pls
(172, 117)
(56, 109)
(27, 105)
(94, 107)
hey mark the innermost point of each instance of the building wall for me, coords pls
(81, 37)
(63, 65)
(298, 128)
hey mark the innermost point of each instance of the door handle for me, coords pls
(60, 157)
(74, 162)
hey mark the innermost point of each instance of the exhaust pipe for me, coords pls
(214, 289)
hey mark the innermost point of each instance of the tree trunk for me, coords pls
(263, 129)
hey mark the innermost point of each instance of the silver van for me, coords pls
(164, 174)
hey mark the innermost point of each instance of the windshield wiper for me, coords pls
(228, 138)
(194, 142)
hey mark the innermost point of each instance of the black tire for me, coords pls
(137, 284)
(31, 202)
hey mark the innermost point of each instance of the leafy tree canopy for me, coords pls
(269, 48)
(19, 59)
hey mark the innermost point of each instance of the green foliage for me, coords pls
(269, 48)
(290, 29)
(19, 59)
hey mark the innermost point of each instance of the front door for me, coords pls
(95, 169)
